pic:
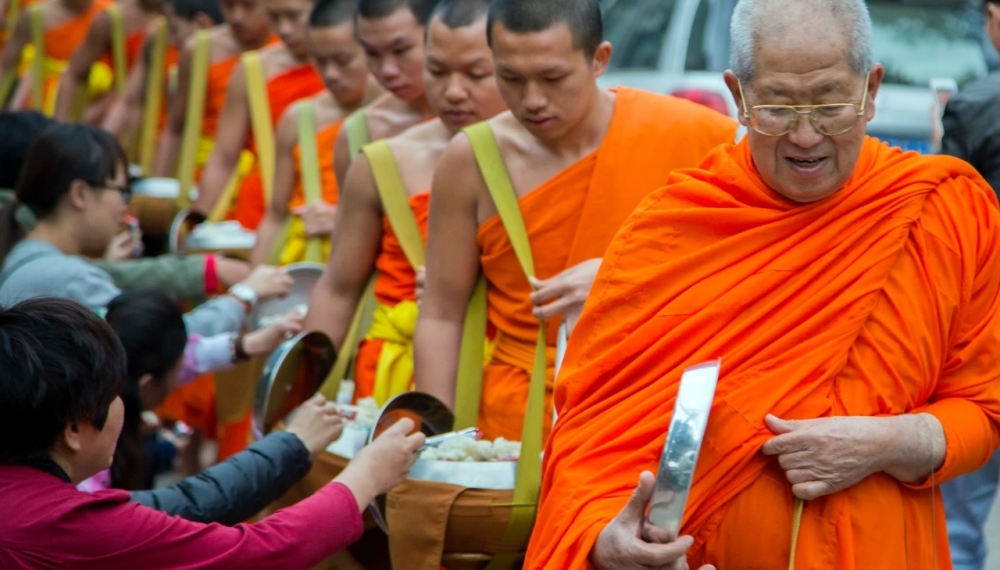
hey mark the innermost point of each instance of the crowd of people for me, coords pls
(475, 197)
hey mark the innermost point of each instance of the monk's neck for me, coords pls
(257, 44)
(589, 134)
(77, 6)
(421, 107)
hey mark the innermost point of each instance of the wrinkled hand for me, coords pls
(421, 283)
(383, 464)
(317, 218)
(263, 341)
(231, 271)
(269, 281)
(123, 247)
(628, 543)
(317, 423)
(826, 455)
(565, 293)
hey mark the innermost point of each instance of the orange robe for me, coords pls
(880, 300)
(572, 218)
(396, 282)
(283, 89)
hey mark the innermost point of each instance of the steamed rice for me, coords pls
(468, 449)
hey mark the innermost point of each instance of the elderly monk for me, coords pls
(851, 291)
(288, 77)
(247, 27)
(392, 33)
(461, 89)
(579, 159)
(340, 61)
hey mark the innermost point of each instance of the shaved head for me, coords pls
(793, 25)
(460, 13)
(377, 9)
(330, 13)
(527, 16)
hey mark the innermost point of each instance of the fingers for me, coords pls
(779, 426)
(798, 476)
(812, 490)
(785, 444)
(546, 291)
(635, 508)
(554, 309)
(797, 460)
(659, 555)
(402, 427)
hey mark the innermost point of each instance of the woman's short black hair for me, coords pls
(59, 364)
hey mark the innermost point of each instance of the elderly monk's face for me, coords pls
(548, 82)
(340, 61)
(458, 76)
(394, 48)
(290, 19)
(805, 165)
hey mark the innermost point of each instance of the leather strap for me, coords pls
(395, 201)
(37, 28)
(118, 57)
(154, 96)
(529, 466)
(260, 120)
(197, 92)
(357, 132)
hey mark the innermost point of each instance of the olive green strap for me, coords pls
(118, 56)
(529, 466)
(154, 97)
(37, 27)
(357, 132)
(260, 120)
(469, 387)
(366, 306)
(191, 137)
(13, 15)
(395, 201)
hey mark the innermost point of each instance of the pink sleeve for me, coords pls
(135, 536)
(189, 370)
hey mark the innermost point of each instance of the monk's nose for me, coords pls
(534, 99)
(805, 135)
(456, 91)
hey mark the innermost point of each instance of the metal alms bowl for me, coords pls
(433, 417)
(305, 275)
(293, 373)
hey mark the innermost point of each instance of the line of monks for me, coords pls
(397, 138)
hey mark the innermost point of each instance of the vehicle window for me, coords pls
(917, 40)
(696, 58)
(637, 29)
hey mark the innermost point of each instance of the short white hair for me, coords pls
(751, 19)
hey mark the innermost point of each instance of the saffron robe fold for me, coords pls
(396, 284)
(572, 218)
(283, 89)
(878, 301)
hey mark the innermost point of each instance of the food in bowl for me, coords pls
(301, 309)
(469, 449)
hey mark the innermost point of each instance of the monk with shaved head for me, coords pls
(852, 293)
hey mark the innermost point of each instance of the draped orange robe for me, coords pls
(880, 300)
(325, 139)
(283, 89)
(396, 282)
(572, 218)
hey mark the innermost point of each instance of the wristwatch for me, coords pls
(237, 352)
(244, 293)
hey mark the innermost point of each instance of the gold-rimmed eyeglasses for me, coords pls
(779, 120)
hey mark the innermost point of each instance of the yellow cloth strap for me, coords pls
(394, 326)
(260, 120)
(395, 201)
(118, 57)
(357, 132)
(13, 15)
(796, 522)
(469, 387)
(331, 386)
(529, 466)
(191, 138)
(37, 27)
(154, 97)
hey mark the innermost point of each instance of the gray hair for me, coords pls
(751, 19)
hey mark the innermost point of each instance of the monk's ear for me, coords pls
(874, 81)
(602, 57)
(734, 89)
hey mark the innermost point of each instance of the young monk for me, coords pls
(340, 61)
(851, 292)
(579, 160)
(247, 27)
(183, 18)
(97, 47)
(461, 90)
(66, 23)
(289, 77)
(392, 33)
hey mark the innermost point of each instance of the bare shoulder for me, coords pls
(512, 137)
(275, 58)
(458, 168)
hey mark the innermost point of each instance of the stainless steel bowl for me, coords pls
(306, 275)
(292, 375)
